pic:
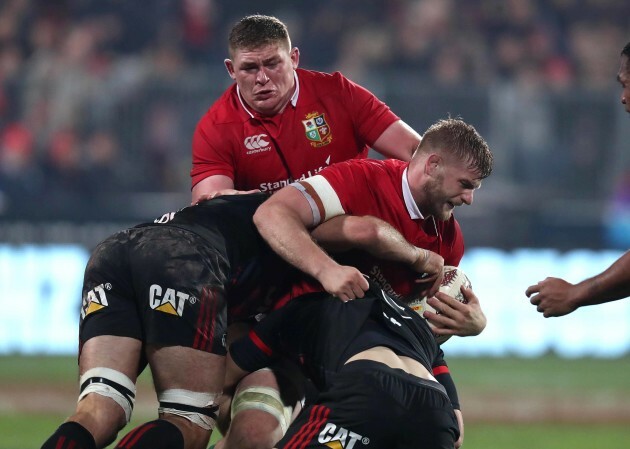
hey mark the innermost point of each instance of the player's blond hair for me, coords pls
(461, 140)
(255, 31)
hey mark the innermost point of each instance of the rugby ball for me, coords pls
(454, 279)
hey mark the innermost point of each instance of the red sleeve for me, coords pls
(371, 116)
(207, 158)
(350, 182)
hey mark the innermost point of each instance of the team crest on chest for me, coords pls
(317, 129)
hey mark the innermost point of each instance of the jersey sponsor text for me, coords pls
(277, 185)
(382, 282)
(336, 437)
(95, 299)
(168, 300)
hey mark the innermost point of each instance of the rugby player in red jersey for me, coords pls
(278, 123)
(417, 198)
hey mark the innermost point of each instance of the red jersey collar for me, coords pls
(412, 207)
(293, 101)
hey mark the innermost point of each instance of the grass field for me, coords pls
(545, 403)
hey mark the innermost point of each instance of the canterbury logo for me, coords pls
(256, 142)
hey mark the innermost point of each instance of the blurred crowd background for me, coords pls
(99, 100)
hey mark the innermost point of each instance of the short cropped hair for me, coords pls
(255, 31)
(626, 52)
(461, 140)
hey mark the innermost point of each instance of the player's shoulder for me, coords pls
(321, 82)
(371, 165)
(390, 166)
(225, 110)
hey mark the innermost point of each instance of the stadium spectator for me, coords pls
(556, 297)
(20, 176)
(382, 373)
(102, 150)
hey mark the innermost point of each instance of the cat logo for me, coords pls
(95, 299)
(339, 438)
(168, 301)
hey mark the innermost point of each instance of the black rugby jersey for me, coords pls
(255, 275)
(317, 330)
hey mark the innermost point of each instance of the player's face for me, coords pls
(623, 76)
(451, 186)
(265, 76)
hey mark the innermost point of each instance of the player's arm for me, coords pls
(557, 297)
(383, 241)
(460, 423)
(215, 185)
(398, 141)
(284, 221)
(212, 163)
(442, 374)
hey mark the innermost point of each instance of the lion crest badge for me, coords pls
(317, 129)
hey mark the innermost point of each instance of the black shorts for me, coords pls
(161, 285)
(372, 405)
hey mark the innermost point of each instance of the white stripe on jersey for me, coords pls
(321, 197)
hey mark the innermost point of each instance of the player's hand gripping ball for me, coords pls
(454, 279)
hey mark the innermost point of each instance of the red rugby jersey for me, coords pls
(371, 187)
(332, 120)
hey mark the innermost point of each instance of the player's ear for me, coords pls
(295, 57)
(229, 65)
(433, 164)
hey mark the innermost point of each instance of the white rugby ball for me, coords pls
(454, 279)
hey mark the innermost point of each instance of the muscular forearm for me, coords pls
(460, 423)
(284, 221)
(383, 241)
(387, 243)
(369, 234)
(286, 234)
(610, 285)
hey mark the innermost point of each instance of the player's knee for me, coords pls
(200, 409)
(112, 384)
(259, 417)
(158, 434)
(253, 429)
